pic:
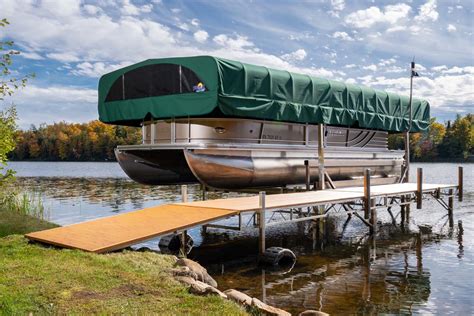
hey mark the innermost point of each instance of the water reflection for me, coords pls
(383, 276)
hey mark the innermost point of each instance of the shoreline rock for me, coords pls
(198, 269)
(199, 282)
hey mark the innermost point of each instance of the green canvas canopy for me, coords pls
(205, 86)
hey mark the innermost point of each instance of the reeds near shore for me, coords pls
(23, 203)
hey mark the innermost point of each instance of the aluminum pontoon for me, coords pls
(230, 125)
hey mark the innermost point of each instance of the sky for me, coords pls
(69, 44)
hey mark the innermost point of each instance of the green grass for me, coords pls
(39, 280)
(19, 223)
(35, 279)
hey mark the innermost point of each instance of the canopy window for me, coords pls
(153, 81)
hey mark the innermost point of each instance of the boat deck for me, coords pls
(119, 231)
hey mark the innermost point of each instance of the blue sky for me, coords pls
(69, 44)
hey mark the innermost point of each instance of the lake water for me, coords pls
(405, 270)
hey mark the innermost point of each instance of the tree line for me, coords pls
(452, 141)
(95, 141)
(92, 141)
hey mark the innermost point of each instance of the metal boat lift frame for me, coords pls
(369, 204)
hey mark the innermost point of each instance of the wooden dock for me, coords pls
(119, 231)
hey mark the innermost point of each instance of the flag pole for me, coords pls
(407, 133)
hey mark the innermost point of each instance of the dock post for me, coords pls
(451, 207)
(402, 210)
(321, 170)
(450, 202)
(321, 177)
(184, 193)
(460, 183)
(184, 233)
(367, 199)
(419, 188)
(308, 175)
(203, 192)
(261, 223)
(373, 217)
(407, 156)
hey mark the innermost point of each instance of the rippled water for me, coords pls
(405, 270)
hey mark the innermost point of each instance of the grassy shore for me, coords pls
(41, 280)
(17, 223)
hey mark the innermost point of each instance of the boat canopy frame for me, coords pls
(206, 86)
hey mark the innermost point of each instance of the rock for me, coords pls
(238, 297)
(184, 271)
(185, 280)
(200, 271)
(201, 288)
(267, 309)
(311, 312)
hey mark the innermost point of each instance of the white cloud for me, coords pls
(92, 9)
(391, 14)
(239, 42)
(458, 70)
(350, 66)
(451, 28)
(336, 7)
(370, 67)
(439, 68)
(128, 8)
(427, 12)
(195, 22)
(183, 26)
(64, 57)
(297, 55)
(446, 92)
(31, 55)
(201, 36)
(342, 35)
(38, 105)
(385, 62)
(97, 69)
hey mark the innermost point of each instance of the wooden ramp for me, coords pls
(120, 231)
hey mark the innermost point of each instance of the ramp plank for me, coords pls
(119, 231)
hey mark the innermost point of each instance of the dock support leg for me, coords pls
(203, 192)
(373, 217)
(450, 203)
(184, 234)
(402, 210)
(261, 223)
(460, 183)
(407, 156)
(308, 175)
(184, 193)
(407, 209)
(367, 199)
(321, 157)
(419, 188)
